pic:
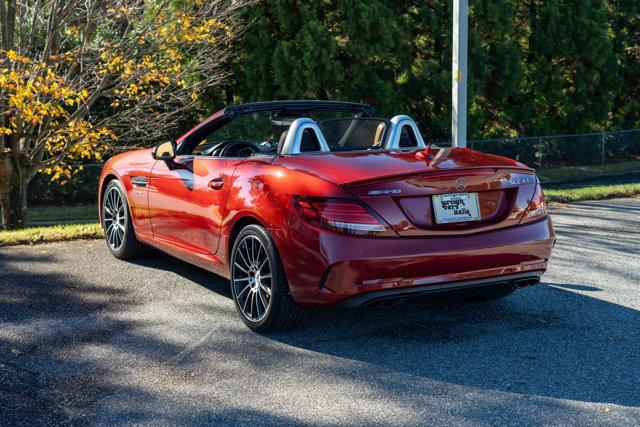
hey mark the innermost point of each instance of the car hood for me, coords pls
(345, 168)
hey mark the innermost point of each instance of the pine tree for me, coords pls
(625, 27)
(495, 69)
(289, 52)
(572, 73)
(535, 66)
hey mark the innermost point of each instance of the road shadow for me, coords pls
(72, 342)
(46, 376)
(546, 341)
(557, 340)
(553, 340)
(163, 262)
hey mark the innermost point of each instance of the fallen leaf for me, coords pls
(2, 365)
(16, 351)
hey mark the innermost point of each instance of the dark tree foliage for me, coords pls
(536, 67)
(572, 73)
(625, 31)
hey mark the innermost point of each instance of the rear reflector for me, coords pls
(347, 216)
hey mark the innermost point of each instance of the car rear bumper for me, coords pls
(501, 284)
(327, 268)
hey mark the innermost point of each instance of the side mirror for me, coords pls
(164, 151)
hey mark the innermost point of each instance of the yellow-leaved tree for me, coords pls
(80, 76)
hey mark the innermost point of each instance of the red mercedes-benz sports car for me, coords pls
(312, 203)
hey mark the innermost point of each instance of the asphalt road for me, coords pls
(85, 338)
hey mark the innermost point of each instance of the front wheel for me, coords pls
(116, 222)
(259, 285)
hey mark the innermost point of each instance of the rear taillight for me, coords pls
(347, 216)
(537, 206)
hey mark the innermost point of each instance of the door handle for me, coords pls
(216, 183)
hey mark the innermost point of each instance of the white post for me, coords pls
(459, 73)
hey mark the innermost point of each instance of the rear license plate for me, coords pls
(456, 207)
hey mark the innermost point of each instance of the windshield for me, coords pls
(267, 128)
(348, 134)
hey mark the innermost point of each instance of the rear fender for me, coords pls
(264, 192)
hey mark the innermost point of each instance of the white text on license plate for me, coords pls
(456, 207)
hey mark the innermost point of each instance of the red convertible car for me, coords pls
(315, 203)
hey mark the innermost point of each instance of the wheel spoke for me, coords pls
(264, 303)
(112, 237)
(256, 248)
(244, 307)
(257, 304)
(252, 304)
(246, 263)
(238, 266)
(247, 258)
(245, 289)
(253, 254)
(112, 200)
(258, 255)
(263, 263)
(265, 289)
(116, 203)
(118, 237)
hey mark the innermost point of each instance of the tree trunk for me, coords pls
(13, 194)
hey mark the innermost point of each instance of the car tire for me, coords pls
(116, 223)
(259, 285)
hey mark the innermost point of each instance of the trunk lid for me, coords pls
(343, 168)
(400, 186)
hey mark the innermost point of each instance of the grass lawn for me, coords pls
(596, 192)
(577, 173)
(88, 213)
(56, 233)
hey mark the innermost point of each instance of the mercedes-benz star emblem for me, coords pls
(461, 184)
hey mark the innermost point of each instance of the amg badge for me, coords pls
(379, 192)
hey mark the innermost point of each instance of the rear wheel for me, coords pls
(259, 285)
(116, 222)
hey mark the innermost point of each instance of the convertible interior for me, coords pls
(277, 134)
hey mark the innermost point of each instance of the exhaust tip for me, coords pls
(523, 283)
